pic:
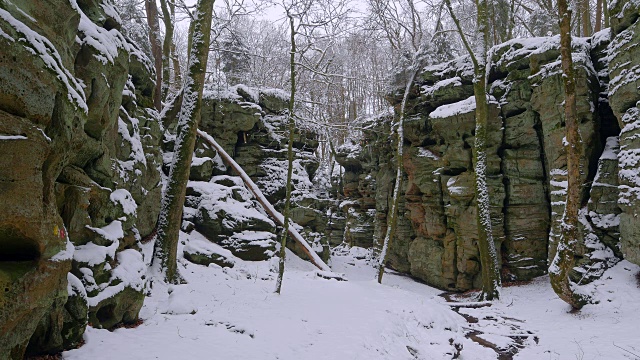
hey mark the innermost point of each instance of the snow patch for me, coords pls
(461, 107)
(125, 199)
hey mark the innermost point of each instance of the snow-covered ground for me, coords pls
(607, 330)
(234, 314)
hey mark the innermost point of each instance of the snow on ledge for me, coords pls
(125, 199)
(461, 107)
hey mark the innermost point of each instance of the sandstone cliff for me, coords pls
(81, 174)
(527, 166)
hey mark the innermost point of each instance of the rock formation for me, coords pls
(527, 165)
(79, 175)
(82, 156)
(250, 125)
(623, 54)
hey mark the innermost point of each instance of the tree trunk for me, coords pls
(392, 220)
(491, 282)
(564, 260)
(488, 255)
(598, 25)
(585, 13)
(167, 17)
(170, 219)
(177, 77)
(156, 49)
(512, 20)
(292, 127)
(486, 247)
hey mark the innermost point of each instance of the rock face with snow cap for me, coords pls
(526, 174)
(250, 124)
(225, 212)
(79, 173)
(625, 103)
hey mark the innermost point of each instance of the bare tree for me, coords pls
(392, 218)
(598, 25)
(585, 16)
(307, 20)
(156, 49)
(168, 18)
(491, 282)
(405, 33)
(564, 260)
(170, 218)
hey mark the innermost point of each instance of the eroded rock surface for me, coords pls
(251, 125)
(625, 103)
(437, 230)
(79, 175)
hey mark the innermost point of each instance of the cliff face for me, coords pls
(79, 171)
(81, 164)
(437, 232)
(625, 103)
(250, 124)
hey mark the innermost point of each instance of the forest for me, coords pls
(319, 179)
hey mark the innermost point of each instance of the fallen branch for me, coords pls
(471, 305)
(315, 259)
(621, 348)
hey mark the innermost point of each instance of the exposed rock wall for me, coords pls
(79, 173)
(250, 124)
(437, 231)
(624, 86)
(362, 166)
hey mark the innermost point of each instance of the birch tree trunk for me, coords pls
(564, 260)
(156, 49)
(491, 282)
(170, 219)
(392, 221)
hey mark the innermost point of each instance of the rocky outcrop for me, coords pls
(437, 231)
(79, 173)
(625, 103)
(250, 124)
(361, 165)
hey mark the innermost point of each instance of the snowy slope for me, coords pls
(233, 314)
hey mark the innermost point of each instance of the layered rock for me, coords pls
(437, 230)
(79, 173)
(250, 124)
(625, 103)
(360, 162)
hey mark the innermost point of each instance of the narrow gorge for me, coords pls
(84, 156)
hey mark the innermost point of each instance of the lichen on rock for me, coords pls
(83, 171)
